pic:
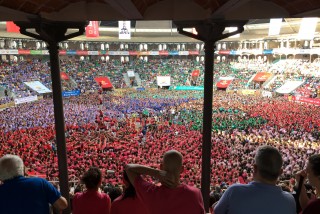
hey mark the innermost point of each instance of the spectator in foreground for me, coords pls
(19, 194)
(91, 201)
(171, 197)
(262, 195)
(128, 202)
(312, 172)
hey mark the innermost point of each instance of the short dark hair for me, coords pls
(114, 193)
(129, 191)
(92, 178)
(269, 162)
(314, 162)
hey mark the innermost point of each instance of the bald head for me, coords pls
(172, 161)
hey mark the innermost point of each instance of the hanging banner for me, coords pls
(262, 77)
(313, 101)
(71, 93)
(104, 82)
(38, 87)
(163, 53)
(92, 30)
(12, 27)
(193, 52)
(124, 29)
(130, 73)
(289, 86)
(25, 52)
(223, 83)
(25, 99)
(163, 81)
(195, 73)
(64, 76)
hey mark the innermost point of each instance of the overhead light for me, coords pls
(307, 28)
(274, 27)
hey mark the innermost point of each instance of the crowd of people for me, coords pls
(114, 128)
(81, 73)
(131, 126)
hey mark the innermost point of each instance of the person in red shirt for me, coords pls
(91, 201)
(128, 202)
(171, 197)
(312, 172)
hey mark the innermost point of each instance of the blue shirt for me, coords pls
(23, 195)
(255, 198)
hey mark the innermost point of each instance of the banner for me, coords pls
(92, 30)
(124, 29)
(289, 86)
(64, 76)
(71, 93)
(25, 52)
(195, 73)
(163, 80)
(313, 101)
(223, 83)
(266, 94)
(247, 92)
(262, 77)
(12, 27)
(163, 53)
(140, 89)
(9, 51)
(25, 99)
(193, 52)
(38, 87)
(130, 73)
(187, 88)
(104, 82)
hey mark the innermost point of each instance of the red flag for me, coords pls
(195, 73)
(64, 76)
(223, 83)
(12, 27)
(92, 30)
(262, 76)
(104, 82)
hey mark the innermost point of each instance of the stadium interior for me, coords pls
(129, 98)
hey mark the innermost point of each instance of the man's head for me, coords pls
(11, 166)
(92, 178)
(172, 162)
(268, 164)
(313, 170)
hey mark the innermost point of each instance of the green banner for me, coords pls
(35, 52)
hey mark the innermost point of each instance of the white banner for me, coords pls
(163, 80)
(289, 87)
(183, 53)
(266, 94)
(226, 78)
(124, 29)
(25, 99)
(130, 73)
(93, 52)
(38, 87)
(9, 51)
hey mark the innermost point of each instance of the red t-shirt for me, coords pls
(128, 205)
(160, 199)
(91, 201)
(313, 207)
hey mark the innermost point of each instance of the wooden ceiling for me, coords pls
(76, 10)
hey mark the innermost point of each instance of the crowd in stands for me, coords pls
(82, 73)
